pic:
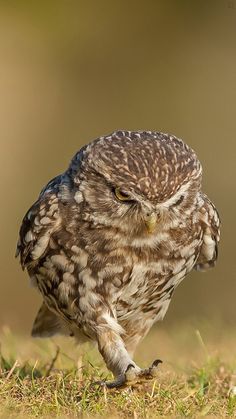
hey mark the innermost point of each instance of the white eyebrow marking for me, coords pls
(176, 196)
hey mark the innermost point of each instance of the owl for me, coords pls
(109, 240)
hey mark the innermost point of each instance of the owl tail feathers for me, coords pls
(47, 324)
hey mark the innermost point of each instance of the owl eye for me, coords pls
(122, 196)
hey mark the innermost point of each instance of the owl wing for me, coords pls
(38, 225)
(210, 221)
(47, 324)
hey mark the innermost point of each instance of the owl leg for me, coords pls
(116, 357)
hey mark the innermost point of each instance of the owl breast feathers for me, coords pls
(108, 241)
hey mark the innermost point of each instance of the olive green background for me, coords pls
(74, 70)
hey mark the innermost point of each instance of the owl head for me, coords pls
(135, 181)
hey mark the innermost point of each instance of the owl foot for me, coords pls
(147, 374)
(133, 376)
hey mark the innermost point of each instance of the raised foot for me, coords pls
(133, 376)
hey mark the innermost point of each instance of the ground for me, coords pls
(53, 378)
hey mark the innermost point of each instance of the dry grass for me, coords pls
(196, 379)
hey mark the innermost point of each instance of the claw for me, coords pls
(130, 373)
(154, 367)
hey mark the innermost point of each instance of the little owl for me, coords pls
(109, 240)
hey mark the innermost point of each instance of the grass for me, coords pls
(51, 378)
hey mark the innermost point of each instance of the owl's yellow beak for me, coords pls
(150, 222)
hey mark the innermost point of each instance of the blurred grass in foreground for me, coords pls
(53, 378)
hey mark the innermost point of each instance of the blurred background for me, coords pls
(74, 70)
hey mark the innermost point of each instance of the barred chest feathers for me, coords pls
(137, 276)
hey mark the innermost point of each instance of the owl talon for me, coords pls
(130, 374)
(122, 380)
(154, 368)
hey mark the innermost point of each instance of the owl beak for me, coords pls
(150, 222)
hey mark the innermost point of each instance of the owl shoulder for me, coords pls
(39, 223)
(210, 223)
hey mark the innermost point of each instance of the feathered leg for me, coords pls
(119, 361)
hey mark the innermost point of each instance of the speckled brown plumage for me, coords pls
(108, 262)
